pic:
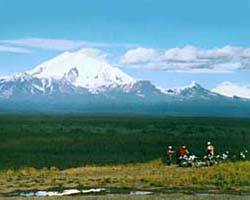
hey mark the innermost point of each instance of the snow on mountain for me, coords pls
(193, 90)
(233, 89)
(76, 82)
(23, 85)
(17, 84)
(81, 70)
(167, 91)
(192, 85)
(177, 90)
(87, 76)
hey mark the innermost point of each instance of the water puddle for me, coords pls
(69, 192)
(202, 194)
(107, 191)
(140, 193)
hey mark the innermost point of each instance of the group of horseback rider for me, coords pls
(183, 151)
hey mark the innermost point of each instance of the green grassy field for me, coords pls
(73, 141)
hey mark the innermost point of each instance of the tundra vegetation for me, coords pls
(124, 152)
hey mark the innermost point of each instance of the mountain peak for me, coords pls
(81, 70)
(195, 90)
(194, 84)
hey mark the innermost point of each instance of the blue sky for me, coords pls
(207, 35)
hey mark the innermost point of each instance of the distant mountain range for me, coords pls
(76, 83)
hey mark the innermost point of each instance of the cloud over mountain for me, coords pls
(189, 58)
(139, 56)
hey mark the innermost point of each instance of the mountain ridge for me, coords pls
(74, 82)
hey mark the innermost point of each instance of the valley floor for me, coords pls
(120, 154)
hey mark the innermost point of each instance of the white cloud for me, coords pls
(56, 44)
(59, 44)
(139, 55)
(233, 89)
(190, 58)
(186, 59)
(188, 53)
(217, 53)
(12, 49)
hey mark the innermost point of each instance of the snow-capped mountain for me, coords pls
(191, 91)
(81, 70)
(195, 90)
(233, 90)
(76, 82)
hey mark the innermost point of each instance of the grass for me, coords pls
(233, 177)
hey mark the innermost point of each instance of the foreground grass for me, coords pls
(228, 177)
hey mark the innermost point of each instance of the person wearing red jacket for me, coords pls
(183, 151)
